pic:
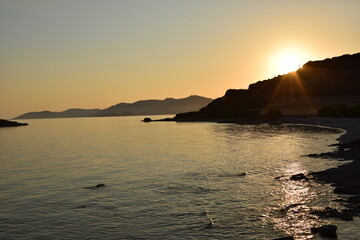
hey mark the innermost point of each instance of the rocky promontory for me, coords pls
(346, 177)
(6, 123)
(326, 83)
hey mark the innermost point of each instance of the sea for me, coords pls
(163, 180)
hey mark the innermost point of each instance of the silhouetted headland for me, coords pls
(345, 178)
(326, 93)
(6, 123)
(318, 85)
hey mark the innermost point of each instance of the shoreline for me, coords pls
(345, 178)
(350, 125)
(7, 123)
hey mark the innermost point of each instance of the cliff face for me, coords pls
(334, 81)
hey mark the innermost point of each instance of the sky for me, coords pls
(61, 54)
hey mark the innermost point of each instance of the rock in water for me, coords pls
(95, 187)
(329, 212)
(147, 120)
(299, 176)
(242, 174)
(328, 231)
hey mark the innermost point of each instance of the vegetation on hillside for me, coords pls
(338, 76)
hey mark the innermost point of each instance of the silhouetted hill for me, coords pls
(144, 107)
(329, 82)
(70, 113)
(156, 107)
(6, 123)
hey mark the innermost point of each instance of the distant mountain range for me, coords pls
(317, 84)
(156, 107)
(74, 112)
(144, 107)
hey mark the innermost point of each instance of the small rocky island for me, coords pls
(6, 123)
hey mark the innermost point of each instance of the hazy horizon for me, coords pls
(58, 55)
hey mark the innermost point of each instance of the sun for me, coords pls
(289, 60)
(289, 63)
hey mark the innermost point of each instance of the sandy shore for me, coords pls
(350, 125)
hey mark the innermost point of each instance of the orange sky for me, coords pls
(57, 55)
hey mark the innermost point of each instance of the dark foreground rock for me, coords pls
(345, 179)
(329, 212)
(299, 176)
(6, 123)
(328, 231)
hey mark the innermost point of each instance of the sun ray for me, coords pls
(288, 91)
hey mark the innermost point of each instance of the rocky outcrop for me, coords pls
(328, 231)
(345, 179)
(329, 212)
(299, 176)
(6, 123)
(147, 120)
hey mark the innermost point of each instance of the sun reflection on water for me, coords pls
(299, 198)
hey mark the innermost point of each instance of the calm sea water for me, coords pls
(163, 180)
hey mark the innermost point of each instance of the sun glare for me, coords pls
(289, 64)
(288, 61)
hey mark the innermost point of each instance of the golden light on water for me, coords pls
(299, 199)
